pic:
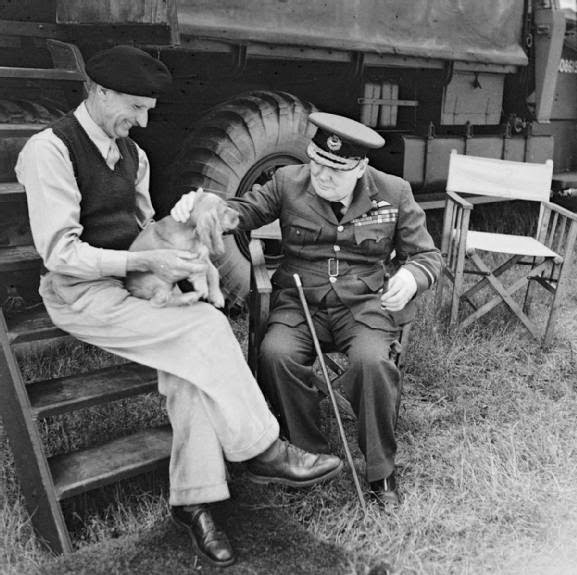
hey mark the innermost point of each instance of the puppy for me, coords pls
(202, 235)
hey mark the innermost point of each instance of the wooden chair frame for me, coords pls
(556, 232)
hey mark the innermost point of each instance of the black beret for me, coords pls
(129, 70)
(340, 142)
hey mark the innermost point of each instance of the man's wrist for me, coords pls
(137, 262)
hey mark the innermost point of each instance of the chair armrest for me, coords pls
(259, 272)
(453, 196)
(258, 302)
(561, 210)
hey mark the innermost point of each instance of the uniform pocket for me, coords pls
(301, 232)
(373, 232)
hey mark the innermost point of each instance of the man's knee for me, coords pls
(274, 349)
(370, 357)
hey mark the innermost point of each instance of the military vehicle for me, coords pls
(487, 78)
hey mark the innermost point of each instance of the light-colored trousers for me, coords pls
(215, 406)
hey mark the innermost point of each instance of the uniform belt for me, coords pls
(330, 267)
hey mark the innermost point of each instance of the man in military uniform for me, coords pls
(340, 220)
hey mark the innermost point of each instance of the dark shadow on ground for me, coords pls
(266, 540)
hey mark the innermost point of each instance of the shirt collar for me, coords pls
(95, 132)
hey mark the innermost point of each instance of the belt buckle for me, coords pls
(333, 267)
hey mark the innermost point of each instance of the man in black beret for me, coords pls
(88, 198)
(341, 219)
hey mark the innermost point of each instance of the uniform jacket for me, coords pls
(346, 256)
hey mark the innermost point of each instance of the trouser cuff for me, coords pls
(196, 495)
(266, 439)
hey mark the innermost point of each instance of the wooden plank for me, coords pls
(12, 191)
(440, 203)
(81, 471)
(20, 130)
(34, 476)
(40, 74)
(33, 29)
(78, 391)
(385, 109)
(32, 326)
(14, 258)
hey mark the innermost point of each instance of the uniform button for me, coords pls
(337, 248)
(332, 279)
(340, 229)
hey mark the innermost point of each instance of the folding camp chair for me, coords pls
(544, 260)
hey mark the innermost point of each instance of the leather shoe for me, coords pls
(207, 539)
(286, 464)
(384, 491)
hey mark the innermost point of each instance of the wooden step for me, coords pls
(32, 326)
(14, 258)
(56, 396)
(81, 471)
(11, 191)
(40, 74)
(20, 130)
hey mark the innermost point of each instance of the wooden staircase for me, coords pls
(47, 481)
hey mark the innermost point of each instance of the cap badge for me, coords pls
(334, 143)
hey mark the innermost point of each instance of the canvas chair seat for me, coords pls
(509, 244)
(542, 260)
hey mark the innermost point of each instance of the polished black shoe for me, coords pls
(207, 539)
(384, 491)
(287, 464)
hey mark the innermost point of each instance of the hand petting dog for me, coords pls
(180, 245)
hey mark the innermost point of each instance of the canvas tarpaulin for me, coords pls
(485, 31)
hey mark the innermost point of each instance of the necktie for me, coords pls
(337, 208)
(113, 155)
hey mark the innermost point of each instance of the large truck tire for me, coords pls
(236, 145)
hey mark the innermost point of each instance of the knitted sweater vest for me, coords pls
(108, 204)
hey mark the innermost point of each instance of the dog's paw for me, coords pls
(187, 298)
(217, 300)
(160, 299)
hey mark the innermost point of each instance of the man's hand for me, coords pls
(181, 210)
(170, 265)
(402, 287)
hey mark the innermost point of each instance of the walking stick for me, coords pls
(299, 285)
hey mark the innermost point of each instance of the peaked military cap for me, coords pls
(129, 70)
(339, 142)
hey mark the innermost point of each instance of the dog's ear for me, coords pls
(210, 230)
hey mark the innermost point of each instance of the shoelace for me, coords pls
(296, 451)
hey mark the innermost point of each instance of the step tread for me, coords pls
(11, 188)
(40, 73)
(63, 394)
(80, 471)
(34, 325)
(18, 257)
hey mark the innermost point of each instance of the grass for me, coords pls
(487, 462)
